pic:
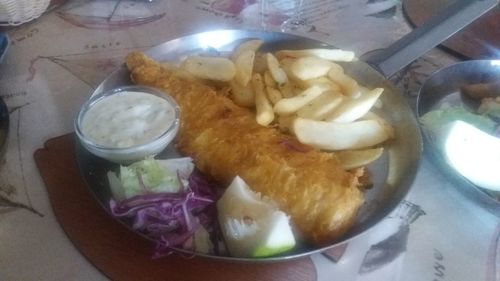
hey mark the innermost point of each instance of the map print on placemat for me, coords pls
(8, 190)
(379, 251)
(91, 67)
(112, 15)
(388, 249)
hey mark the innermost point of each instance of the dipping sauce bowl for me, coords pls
(128, 124)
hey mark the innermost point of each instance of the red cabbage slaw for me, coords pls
(172, 219)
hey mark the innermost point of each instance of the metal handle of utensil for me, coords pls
(413, 45)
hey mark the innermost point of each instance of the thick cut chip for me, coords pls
(288, 89)
(327, 54)
(339, 136)
(211, 68)
(277, 72)
(318, 108)
(250, 45)
(353, 108)
(241, 95)
(348, 85)
(268, 79)
(244, 67)
(273, 94)
(310, 67)
(383, 122)
(351, 159)
(265, 113)
(288, 106)
(323, 82)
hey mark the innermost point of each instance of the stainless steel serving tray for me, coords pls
(393, 173)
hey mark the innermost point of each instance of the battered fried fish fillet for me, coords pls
(224, 139)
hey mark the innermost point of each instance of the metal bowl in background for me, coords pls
(442, 89)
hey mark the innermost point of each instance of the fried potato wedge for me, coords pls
(349, 86)
(323, 82)
(288, 106)
(306, 68)
(354, 108)
(351, 159)
(288, 89)
(388, 127)
(278, 74)
(250, 45)
(244, 67)
(339, 136)
(268, 79)
(327, 54)
(259, 63)
(180, 72)
(274, 95)
(211, 68)
(242, 95)
(318, 108)
(263, 107)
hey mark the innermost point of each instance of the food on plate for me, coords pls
(490, 107)
(212, 68)
(273, 94)
(327, 54)
(291, 105)
(339, 136)
(242, 95)
(169, 201)
(389, 129)
(150, 175)
(309, 68)
(482, 90)
(351, 159)
(347, 84)
(309, 84)
(470, 141)
(252, 225)
(275, 69)
(321, 106)
(309, 185)
(351, 109)
(249, 45)
(264, 111)
(244, 67)
(434, 120)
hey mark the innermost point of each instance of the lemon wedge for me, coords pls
(252, 225)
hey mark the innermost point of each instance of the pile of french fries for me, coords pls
(305, 93)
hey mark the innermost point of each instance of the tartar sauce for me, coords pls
(127, 119)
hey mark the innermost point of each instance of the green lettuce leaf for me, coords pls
(147, 176)
(435, 120)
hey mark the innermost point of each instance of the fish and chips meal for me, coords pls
(290, 133)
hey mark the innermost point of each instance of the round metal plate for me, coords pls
(393, 173)
(443, 89)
